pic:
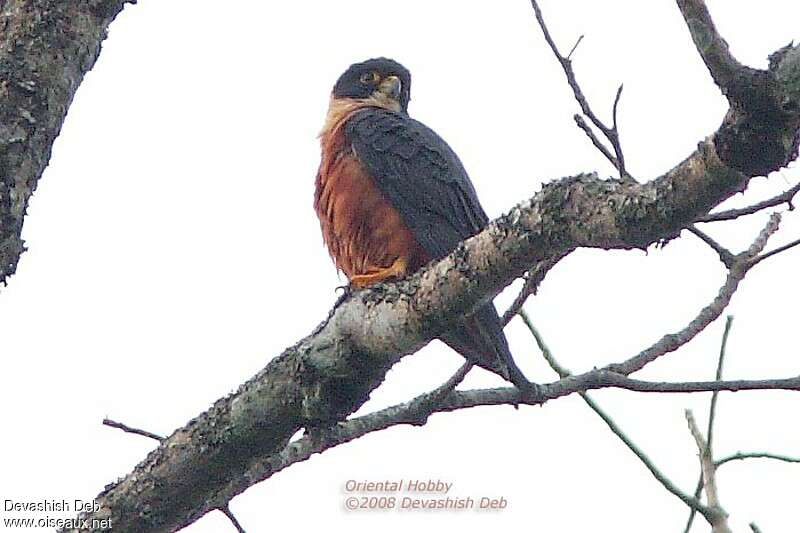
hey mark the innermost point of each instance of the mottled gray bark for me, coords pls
(46, 47)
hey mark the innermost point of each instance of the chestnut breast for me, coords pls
(364, 233)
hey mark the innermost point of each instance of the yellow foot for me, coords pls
(397, 270)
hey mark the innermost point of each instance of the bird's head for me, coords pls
(380, 82)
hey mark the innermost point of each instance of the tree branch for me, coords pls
(610, 133)
(712, 47)
(740, 456)
(761, 100)
(724, 254)
(719, 521)
(134, 431)
(46, 47)
(785, 197)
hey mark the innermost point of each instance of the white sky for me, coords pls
(174, 251)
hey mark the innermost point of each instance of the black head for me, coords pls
(381, 78)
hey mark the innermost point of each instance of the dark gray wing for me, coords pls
(425, 181)
(420, 175)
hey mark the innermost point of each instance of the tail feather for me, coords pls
(480, 339)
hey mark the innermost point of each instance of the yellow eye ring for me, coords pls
(369, 77)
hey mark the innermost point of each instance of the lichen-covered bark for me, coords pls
(332, 372)
(46, 47)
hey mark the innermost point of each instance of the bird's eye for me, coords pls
(369, 77)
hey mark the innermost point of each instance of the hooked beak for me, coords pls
(391, 87)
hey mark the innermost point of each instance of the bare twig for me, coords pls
(595, 141)
(611, 133)
(776, 251)
(609, 379)
(422, 406)
(712, 410)
(740, 456)
(533, 278)
(698, 491)
(127, 429)
(226, 510)
(719, 519)
(754, 528)
(724, 254)
(615, 140)
(574, 47)
(785, 197)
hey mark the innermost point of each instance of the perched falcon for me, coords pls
(391, 196)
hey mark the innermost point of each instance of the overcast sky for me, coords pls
(173, 251)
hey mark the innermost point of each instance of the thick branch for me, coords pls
(46, 47)
(712, 47)
(761, 101)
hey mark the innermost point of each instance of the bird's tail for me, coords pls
(480, 339)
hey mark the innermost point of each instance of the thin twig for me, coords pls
(698, 491)
(785, 197)
(426, 404)
(615, 141)
(595, 141)
(724, 254)
(712, 410)
(533, 279)
(610, 133)
(740, 456)
(127, 429)
(614, 109)
(719, 519)
(776, 251)
(754, 528)
(226, 510)
(574, 47)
